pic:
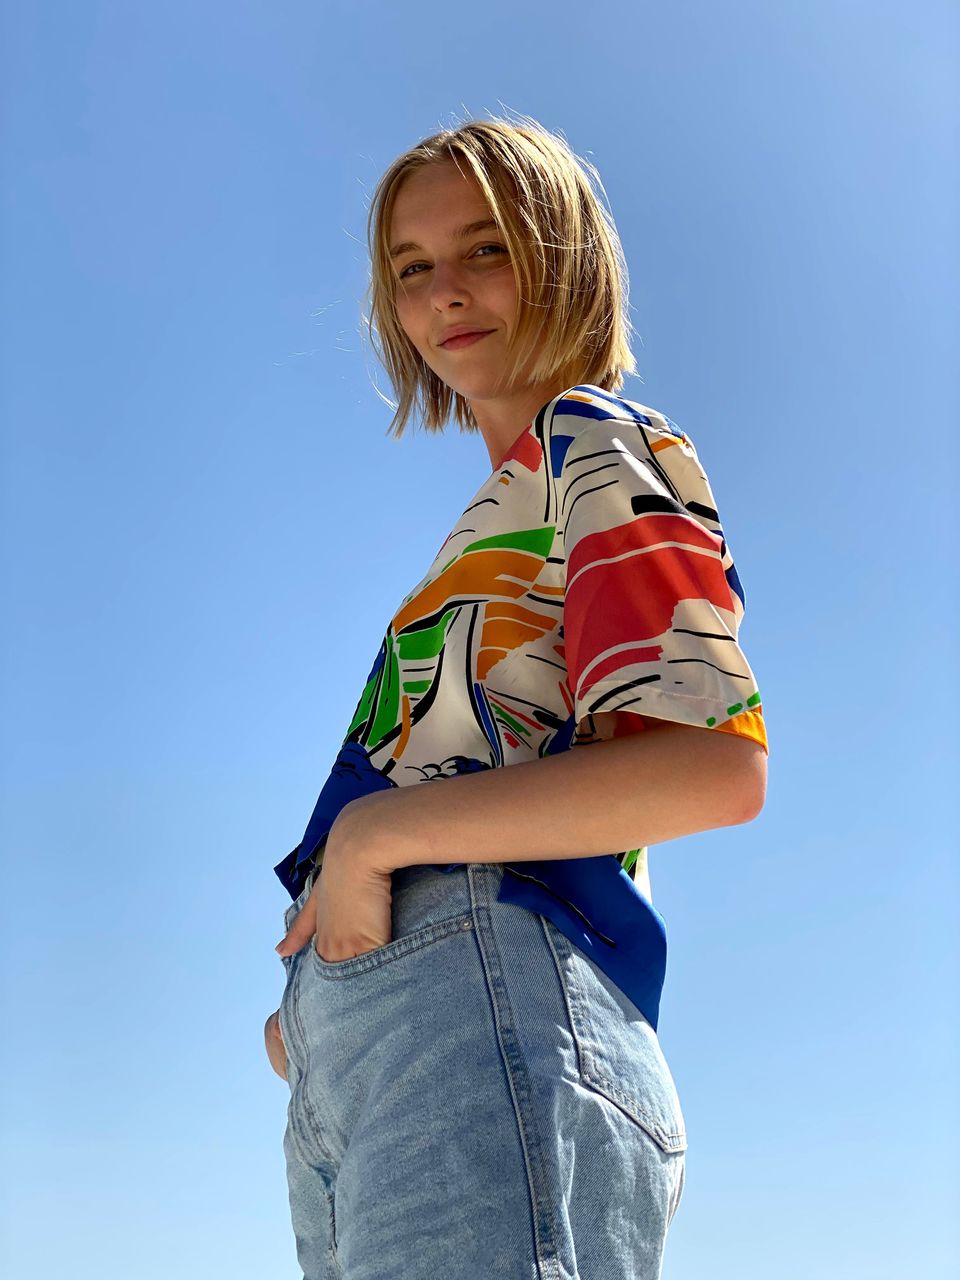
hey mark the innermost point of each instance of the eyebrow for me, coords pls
(459, 233)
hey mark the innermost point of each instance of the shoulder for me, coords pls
(599, 439)
(586, 403)
(586, 420)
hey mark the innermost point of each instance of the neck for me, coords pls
(503, 419)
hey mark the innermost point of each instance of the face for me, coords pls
(446, 280)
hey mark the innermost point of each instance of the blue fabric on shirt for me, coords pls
(592, 901)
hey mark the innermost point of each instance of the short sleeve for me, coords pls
(652, 601)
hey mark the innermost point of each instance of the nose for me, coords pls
(448, 286)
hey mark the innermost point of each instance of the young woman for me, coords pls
(473, 970)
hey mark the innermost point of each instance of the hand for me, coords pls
(348, 912)
(276, 1049)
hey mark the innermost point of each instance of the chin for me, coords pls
(477, 388)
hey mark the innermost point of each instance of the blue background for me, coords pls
(205, 529)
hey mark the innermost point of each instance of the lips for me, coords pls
(464, 338)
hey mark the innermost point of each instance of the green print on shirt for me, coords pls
(584, 574)
(752, 701)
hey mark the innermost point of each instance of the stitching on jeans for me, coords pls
(485, 875)
(379, 958)
(666, 1139)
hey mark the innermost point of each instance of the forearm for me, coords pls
(600, 798)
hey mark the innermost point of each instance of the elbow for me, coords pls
(750, 787)
(751, 808)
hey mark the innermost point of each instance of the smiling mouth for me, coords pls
(465, 339)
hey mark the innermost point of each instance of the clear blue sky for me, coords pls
(202, 514)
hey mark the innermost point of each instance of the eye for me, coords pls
(477, 253)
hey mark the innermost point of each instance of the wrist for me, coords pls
(361, 835)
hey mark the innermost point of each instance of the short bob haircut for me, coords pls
(568, 262)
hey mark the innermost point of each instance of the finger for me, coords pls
(276, 1049)
(278, 1060)
(301, 931)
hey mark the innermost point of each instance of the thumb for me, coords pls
(301, 931)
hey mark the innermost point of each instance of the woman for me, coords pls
(468, 1026)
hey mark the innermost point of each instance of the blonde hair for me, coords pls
(568, 262)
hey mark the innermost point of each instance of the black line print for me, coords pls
(736, 674)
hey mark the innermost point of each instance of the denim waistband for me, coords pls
(421, 894)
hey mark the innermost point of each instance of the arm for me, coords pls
(619, 794)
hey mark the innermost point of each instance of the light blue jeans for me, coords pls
(474, 1100)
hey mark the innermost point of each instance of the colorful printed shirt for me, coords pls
(587, 584)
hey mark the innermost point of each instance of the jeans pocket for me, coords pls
(618, 1052)
(394, 950)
